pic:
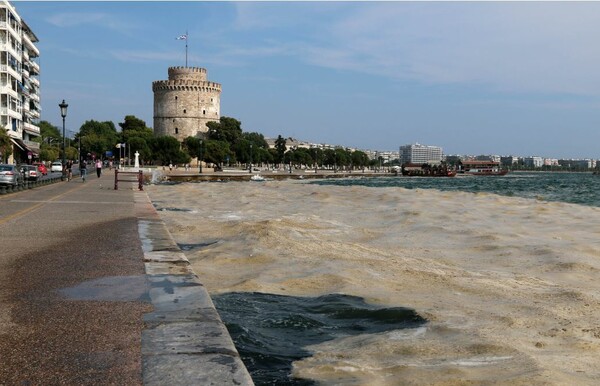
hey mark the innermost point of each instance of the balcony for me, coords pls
(8, 90)
(10, 70)
(34, 67)
(31, 129)
(33, 146)
(4, 46)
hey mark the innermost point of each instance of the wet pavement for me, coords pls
(94, 291)
(72, 285)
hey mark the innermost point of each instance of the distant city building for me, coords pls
(19, 85)
(533, 162)
(509, 160)
(577, 163)
(185, 103)
(551, 162)
(420, 154)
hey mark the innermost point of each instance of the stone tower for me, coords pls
(185, 103)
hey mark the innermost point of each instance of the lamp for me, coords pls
(63, 113)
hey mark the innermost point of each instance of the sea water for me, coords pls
(440, 280)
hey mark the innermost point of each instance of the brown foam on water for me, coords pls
(510, 285)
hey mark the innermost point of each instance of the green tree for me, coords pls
(49, 153)
(97, 137)
(227, 129)
(5, 145)
(359, 158)
(193, 146)
(49, 133)
(217, 151)
(135, 127)
(280, 148)
(167, 149)
(140, 145)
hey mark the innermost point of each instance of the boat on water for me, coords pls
(426, 170)
(481, 168)
(257, 177)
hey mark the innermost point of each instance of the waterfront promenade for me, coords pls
(94, 291)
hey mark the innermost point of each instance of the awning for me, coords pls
(20, 146)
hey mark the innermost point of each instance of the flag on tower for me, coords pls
(182, 37)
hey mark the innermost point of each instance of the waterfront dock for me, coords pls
(93, 290)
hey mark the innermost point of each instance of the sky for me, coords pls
(504, 78)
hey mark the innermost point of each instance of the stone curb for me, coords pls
(185, 341)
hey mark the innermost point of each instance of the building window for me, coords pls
(176, 130)
(184, 111)
(204, 112)
(175, 97)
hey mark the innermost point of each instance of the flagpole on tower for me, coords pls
(185, 37)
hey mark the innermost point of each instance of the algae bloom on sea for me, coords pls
(508, 284)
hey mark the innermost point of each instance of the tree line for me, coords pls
(225, 144)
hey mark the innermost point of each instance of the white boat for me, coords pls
(257, 177)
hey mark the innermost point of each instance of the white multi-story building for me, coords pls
(19, 85)
(536, 162)
(419, 154)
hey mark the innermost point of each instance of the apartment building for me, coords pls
(19, 85)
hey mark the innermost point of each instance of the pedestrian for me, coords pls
(82, 169)
(110, 165)
(170, 166)
(98, 168)
(69, 170)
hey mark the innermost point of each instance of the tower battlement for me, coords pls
(196, 73)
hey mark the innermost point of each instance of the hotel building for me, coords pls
(19, 85)
(420, 154)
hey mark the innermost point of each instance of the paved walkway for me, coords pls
(76, 301)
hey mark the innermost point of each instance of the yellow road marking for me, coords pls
(34, 207)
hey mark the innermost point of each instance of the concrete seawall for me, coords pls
(184, 342)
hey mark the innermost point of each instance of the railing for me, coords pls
(139, 178)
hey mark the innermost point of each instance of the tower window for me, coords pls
(184, 111)
(204, 112)
(176, 97)
(176, 130)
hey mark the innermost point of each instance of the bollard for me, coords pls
(141, 180)
(116, 179)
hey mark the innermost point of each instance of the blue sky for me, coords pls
(518, 78)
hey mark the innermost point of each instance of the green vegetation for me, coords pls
(5, 146)
(224, 144)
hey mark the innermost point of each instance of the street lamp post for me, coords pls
(63, 113)
(250, 171)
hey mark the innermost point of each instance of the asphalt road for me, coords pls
(55, 239)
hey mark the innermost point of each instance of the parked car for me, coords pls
(30, 172)
(41, 168)
(10, 175)
(56, 166)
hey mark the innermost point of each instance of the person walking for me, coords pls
(69, 170)
(98, 168)
(82, 169)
